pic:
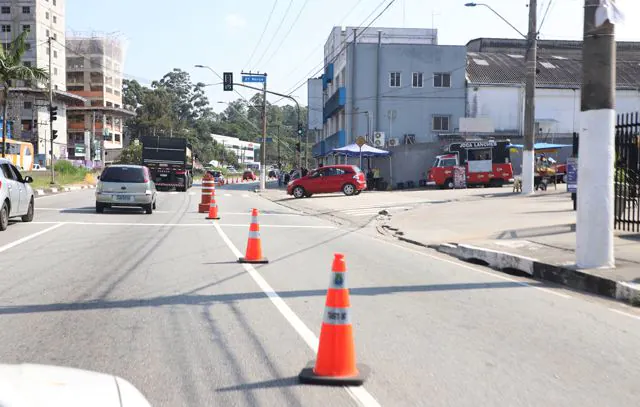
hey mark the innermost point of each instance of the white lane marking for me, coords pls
(489, 273)
(92, 209)
(227, 195)
(262, 214)
(191, 193)
(358, 393)
(617, 311)
(29, 237)
(183, 224)
(245, 195)
(173, 193)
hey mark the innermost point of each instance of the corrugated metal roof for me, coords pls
(496, 68)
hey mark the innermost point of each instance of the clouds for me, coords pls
(235, 21)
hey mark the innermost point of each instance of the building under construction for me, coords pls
(94, 72)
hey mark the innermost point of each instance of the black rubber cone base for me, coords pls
(208, 218)
(307, 376)
(259, 261)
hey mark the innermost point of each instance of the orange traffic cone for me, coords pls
(254, 246)
(336, 360)
(213, 207)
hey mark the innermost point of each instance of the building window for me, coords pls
(46, 15)
(55, 53)
(54, 2)
(440, 123)
(26, 63)
(55, 19)
(442, 80)
(394, 79)
(55, 71)
(48, 50)
(28, 105)
(6, 28)
(6, 10)
(55, 36)
(26, 10)
(26, 28)
(417, 80)
(27, 46)
(48, 34)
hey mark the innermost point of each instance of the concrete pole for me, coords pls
(528, 158)
(53, 171)
(263, 148)
(594, 226)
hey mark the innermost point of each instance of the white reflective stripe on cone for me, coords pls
(337, 316)
(338, 280)
(254, 219)
(254, 235)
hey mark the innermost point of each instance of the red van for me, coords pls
(348, 179)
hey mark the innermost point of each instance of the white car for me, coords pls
(16, 195)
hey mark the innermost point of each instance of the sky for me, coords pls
(223, 34)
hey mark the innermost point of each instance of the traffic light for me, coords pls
(227, 81)
(300, 131)
(298, 146)
(54, 135)
(53, 113)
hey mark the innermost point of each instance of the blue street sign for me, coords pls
(254, 78)
(269, 139)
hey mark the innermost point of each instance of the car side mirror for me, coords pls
(28, 179)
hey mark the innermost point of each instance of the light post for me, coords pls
(528, 155)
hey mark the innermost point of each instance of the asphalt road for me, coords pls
(161, 301)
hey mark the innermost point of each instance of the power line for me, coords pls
(362, 31)
(544, 17)
(275, 34)
(320, 45)
(295, 21)
(275, 3)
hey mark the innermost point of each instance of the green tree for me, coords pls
(11, 70)
(131, 154)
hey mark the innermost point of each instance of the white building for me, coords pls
(496, 79)
(29, 105)
(246, 151)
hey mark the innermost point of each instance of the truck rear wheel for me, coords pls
(448, 184)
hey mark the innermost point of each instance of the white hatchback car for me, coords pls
(16, 195)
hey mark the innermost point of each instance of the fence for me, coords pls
(627, 173)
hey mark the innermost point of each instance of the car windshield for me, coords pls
(123, 174)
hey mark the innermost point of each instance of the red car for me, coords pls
(248, 175)
(333, 178)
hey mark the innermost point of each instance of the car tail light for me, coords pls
(180, 172)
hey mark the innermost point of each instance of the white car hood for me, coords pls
(30, 385)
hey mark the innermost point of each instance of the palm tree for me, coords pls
(11, 70)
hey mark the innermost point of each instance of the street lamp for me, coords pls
(528, 153)
(496, 13)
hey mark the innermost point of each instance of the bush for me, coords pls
(67, 168)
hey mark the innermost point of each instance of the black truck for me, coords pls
(170, 161)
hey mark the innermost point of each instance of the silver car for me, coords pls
(16, 195)
(126, 185)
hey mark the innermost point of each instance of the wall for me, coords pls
(409, 162)
(504, 105)
(414, 107)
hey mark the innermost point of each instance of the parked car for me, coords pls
(16, 195)
(218, 177)
(348, 179)
(274, 173)
(248, 175)
(126, 185)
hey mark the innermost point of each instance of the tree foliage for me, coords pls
(176, 107)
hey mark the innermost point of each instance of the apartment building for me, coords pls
(29, 102)
(94, 72)
(392, 85)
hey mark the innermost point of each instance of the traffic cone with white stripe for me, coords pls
(213, 206)
(254, 245)
(336, 360)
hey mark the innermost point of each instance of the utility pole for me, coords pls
(528, 154)
(594, 224)
(263, 147)
(278, 141)
(93, 137)
(103, 153)
(53, 171)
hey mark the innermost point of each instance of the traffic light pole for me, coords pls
(51, 117)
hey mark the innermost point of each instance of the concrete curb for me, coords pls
(51, 191)
(567, 276)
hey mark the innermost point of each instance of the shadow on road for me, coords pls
(267, 384)
(195, 299)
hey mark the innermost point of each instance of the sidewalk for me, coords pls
(54, 190)
(532, 235)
